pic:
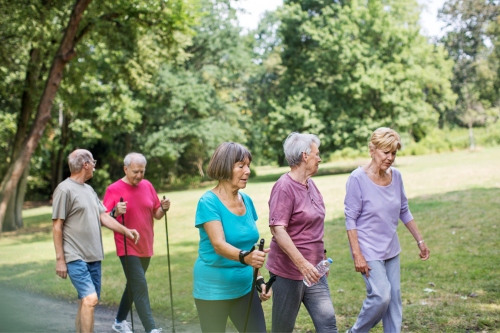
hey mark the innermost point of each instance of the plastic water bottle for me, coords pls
(322, 267)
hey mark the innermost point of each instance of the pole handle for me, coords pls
(121, 199)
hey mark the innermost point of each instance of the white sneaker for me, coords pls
(123, 327)
(157, 330)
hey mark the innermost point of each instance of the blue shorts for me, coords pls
(86, 277)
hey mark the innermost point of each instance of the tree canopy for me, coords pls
(173, 79)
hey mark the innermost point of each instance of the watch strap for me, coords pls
(242, 256)
(112, 213)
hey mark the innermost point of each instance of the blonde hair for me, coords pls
(225, 156)
(383, 138)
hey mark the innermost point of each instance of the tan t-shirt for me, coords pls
(78, 205)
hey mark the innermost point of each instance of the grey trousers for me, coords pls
(383, 298)
(289, 294)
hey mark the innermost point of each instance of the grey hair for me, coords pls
(296, 144)
(134, 156)
(77, 158)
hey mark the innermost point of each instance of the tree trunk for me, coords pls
(128, 143)
(281, 160)
(14, 213)
(21, 193)
(471, 137)
(32, 71)
(57, 155)
(10, 216)
(64, 54)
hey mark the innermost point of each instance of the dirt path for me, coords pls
(21, 311)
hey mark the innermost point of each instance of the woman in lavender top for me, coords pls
(297, 219)
(374, 204)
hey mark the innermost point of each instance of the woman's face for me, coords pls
(384, 158)
(241, 172)
(313, 160)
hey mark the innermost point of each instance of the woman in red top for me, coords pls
(140, 206)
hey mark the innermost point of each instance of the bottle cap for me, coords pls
(330, 260)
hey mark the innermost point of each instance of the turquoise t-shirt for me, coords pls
(215, 277)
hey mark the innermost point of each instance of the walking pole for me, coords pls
(255, 270)
(126, 273)
(169, 274)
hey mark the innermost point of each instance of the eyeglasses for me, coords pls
(94, 162)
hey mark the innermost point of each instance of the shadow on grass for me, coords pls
(321, 172)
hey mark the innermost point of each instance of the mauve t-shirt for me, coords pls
(142, 202)
(301, 210)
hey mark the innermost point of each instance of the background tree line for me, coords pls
(173, 79)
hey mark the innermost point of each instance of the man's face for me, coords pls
(135, 172)
(89, 166)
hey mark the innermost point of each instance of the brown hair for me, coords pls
(223, 160)
(383, 138)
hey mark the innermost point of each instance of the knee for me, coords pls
(385, 297)
(90, 301)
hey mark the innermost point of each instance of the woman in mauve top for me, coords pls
(375, 202)
(296, 219)
(222, 274)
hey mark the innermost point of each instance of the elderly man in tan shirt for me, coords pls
(77, 215)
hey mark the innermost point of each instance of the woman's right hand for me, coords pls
(361, 265)
(309, 272)
(256, 258)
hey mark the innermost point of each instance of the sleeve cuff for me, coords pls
(274, 222)
(406, 217)
(350, 224)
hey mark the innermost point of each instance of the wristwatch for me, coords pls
(242, 256)
(112, 213)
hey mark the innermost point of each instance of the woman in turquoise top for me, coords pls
(226, 219)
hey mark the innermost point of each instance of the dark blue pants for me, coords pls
(137, 267)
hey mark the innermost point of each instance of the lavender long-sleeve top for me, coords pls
(375, 211)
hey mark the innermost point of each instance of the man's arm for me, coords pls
(57, 228)
(162, 210)
(114, 225)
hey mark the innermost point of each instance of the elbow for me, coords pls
(218, 248)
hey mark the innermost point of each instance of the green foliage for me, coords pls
(173, 79)
(355, 66)
(472, 25)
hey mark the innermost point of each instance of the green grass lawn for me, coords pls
(455, 199)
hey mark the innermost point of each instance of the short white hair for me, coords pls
(138, 158)
(296, 144)
(77, 158)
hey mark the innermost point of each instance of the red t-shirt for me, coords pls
(142, 203)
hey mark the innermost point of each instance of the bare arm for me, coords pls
(216, 234)
(359, 260)
(424, 251)
(57, 228)
(114, 225)
(284, 241)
